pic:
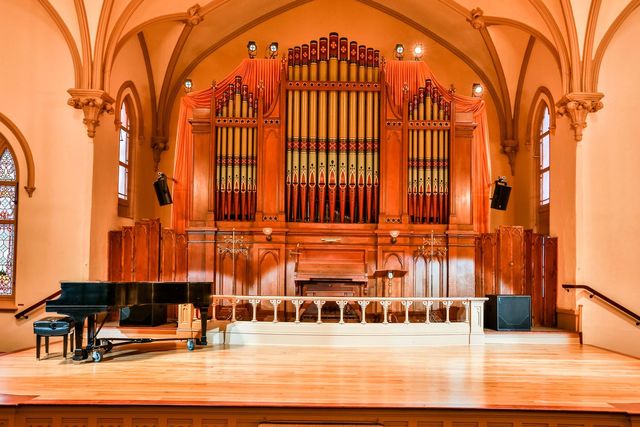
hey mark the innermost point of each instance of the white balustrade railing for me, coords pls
(473, 307)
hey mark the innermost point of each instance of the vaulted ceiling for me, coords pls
(494, 38)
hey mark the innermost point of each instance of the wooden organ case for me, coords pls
(331, 172)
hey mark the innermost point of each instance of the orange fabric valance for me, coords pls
(398, 74)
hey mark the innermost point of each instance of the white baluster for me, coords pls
(466, 311)
(363, 307)
(297, 303)
(406, 304)
(428, 305)
(275, 303)
(447, 304)
(254, 303)
(234, 302)
(214, 303)
(385, 306)
(319, 304)
(341, 304)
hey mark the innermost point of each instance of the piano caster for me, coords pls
(191, 344)
(96, 355)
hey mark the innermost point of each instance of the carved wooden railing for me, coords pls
(473, 313)
(24, 313)
(612, 303)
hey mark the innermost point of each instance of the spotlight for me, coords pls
(188, 84)
(252, 47)
(418, 51)
(272, 50)
(394, 235)
(162, 190)
(477, 90)
(399, 51)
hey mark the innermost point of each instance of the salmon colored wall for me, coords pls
(54, 224)
(608, 207)
(129, 66)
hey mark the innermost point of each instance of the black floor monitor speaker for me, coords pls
(508, 312)
(143, 315)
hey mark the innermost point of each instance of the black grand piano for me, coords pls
(85, 300)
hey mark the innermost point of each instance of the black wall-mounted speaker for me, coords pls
(500, 199)
(508, 312)
(162, 190)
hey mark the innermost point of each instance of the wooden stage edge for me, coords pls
(164, 385)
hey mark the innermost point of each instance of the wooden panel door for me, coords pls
(511, 260)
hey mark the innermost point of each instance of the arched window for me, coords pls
(543, 150)
(8, 220)
(124, 160)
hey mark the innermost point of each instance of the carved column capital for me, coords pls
(577, 105)
(477, 18)
(510, 148)
(158, 145)
(92, 102)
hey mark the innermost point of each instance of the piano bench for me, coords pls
(54, 326)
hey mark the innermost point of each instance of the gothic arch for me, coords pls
(25, 151)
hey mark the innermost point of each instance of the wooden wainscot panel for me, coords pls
(535, 276)
(127, 253)
(461, 216)
(115, 255)
(486, 267)
(510, 260)
(201, 170)
(168, 255)
(461, 271)
(200, 255)
(551, 280)
(270, 274)
(146, 250)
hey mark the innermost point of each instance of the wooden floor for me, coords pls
(494, 376)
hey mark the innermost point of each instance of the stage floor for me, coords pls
(569, 377)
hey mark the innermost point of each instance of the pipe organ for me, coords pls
(331, 154)
(333, 132)
(236, 115)
(428, 156)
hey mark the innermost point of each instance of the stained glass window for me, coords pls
(8, 216)
(123, 154)
(544, 166)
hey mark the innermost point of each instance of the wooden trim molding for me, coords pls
(26, 152)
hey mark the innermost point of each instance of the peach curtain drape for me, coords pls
(412, 75)
(399, 74)
(254, 72)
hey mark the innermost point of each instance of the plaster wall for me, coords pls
(54, 224)
(607, 205)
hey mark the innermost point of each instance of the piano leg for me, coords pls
(79, 353)
(204, 312)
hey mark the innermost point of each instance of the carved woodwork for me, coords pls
(93, 103)
(513, 261)
(577, 105)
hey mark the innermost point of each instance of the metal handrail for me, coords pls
(606, 299)
(32, 307)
